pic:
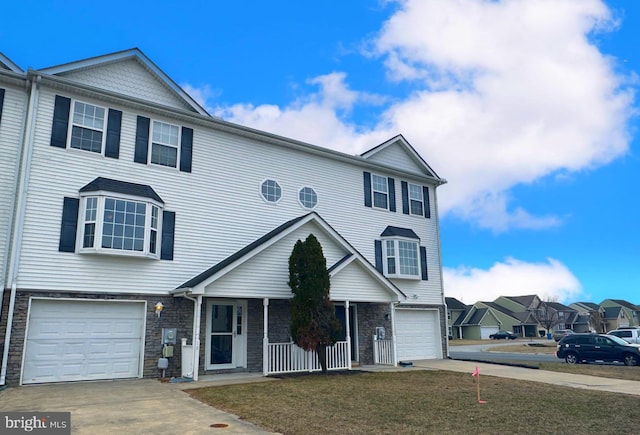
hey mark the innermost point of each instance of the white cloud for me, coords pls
(551, 280)
(505, 92)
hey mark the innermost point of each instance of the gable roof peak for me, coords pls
(119, 56)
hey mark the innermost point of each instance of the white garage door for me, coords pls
(83, 340)
(486, 331)
(418, 335)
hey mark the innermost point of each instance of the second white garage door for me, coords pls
(77, 340)
(417, 335)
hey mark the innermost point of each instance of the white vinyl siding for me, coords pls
(128, 78)
(219, 195)
(10, 131)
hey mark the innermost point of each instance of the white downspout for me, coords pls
(21, 204)
(435, 200)
(197, 310)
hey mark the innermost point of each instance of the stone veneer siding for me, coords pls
(177, 313)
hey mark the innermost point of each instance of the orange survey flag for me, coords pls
(476, 372)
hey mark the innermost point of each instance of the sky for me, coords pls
(528, 108)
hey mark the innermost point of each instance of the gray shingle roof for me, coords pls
(116, 186)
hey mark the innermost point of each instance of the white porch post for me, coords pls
(196, 336)
(265, 337)
(393, 335)
(348, 332)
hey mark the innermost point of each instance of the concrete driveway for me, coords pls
(140, 406)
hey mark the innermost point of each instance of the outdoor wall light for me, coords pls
(159, 307)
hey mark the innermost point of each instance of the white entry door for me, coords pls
(226, 334)
(80, 340)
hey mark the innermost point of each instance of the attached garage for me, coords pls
(486, 331)
(418, 334)
(80, 340)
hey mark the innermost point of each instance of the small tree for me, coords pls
(314, 324)
(547, 315)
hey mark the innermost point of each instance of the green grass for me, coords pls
(423, 402)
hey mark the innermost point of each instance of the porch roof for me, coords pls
(199, 283)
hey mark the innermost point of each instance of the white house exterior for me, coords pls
(119, 192)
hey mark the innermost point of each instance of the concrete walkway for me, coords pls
(504, 371)
(139, 406)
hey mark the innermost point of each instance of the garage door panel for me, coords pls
(85, 343)
(417, 335)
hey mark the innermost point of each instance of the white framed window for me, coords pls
(88, 125)
(380, 191)
(416, 200)
(165, 140)
(402, 259)
(307, 197)
(119, 225)
(270, 191)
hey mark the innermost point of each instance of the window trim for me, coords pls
(266, 200)
(71, 124)
(300, 201)
(97, 248)
(421, 190)
(385, 258)
(151, 142)
(374, 191)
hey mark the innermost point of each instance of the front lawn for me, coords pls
(422, 402)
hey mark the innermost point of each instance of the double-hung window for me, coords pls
(165, 140)
(416, 201)
(87, 127)
(120, 225)
(380, 188)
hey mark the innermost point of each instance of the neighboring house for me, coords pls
(484, 319)
(627, 315)
(140, 220)
(555, 316)
(524, 308)
(455, 310)
(590, 317)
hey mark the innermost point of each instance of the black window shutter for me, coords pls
(405, 197)
(367, 189)
(378, 248)
(168, 230)
(142, 140)
(425, 195)
(186, 148)
(1, 102)
(423, 262)
(69, 225)
(392, 193)
(114, 122)
(60, 122)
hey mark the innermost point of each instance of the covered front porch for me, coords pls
(251, 335)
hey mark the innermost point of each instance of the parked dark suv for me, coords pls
(577, 348)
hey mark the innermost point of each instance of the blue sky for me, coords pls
(527, 107)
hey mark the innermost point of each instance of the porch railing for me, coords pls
(382, 351)
(289, 358)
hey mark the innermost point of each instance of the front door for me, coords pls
(226, 334)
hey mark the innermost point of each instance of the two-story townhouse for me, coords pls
(143, 221)
(455, 314)
(626, 315)
(591, 317)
